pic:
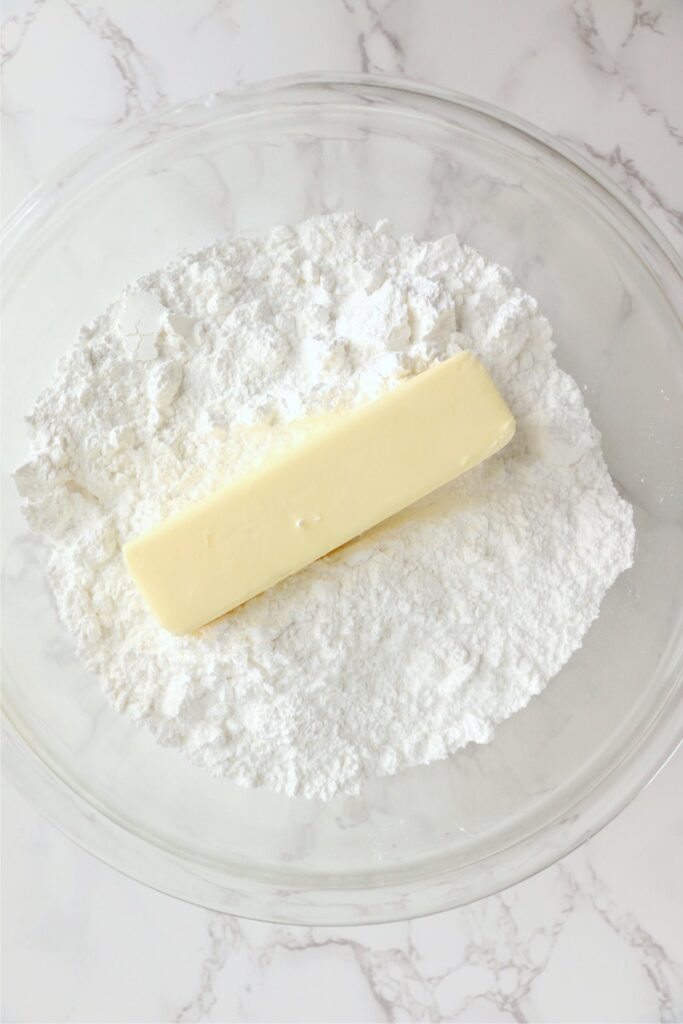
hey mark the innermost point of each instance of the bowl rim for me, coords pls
(27, 208)
(99, 832)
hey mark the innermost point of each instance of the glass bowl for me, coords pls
(432, 162)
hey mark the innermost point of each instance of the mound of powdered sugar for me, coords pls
(405, 644)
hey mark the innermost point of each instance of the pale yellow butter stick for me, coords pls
(368, 464)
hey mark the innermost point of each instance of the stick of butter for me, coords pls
(366, 465)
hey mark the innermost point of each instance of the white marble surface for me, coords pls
(597, 937)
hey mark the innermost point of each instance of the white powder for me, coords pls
(407, 643)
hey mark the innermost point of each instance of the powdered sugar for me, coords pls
(405, 644)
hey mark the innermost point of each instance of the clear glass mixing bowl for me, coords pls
(432, 162)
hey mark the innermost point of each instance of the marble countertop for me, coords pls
(595, 937)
